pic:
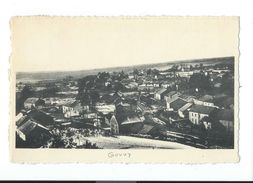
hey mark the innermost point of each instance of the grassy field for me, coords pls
(126, 142)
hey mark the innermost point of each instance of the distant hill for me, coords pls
(26, 76)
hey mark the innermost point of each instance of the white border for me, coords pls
(240, 171)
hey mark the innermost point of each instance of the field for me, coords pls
(126, 142)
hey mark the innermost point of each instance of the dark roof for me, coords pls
(131, 119)
(225, 114)
(177, 104)
(41, 117)
(201, 109)
(146, 129)
(171, 93)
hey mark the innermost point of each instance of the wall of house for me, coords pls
(114, 127)
(195, 118)
(210, 104)
(199, 102)
(69, 112)
(28, 105)
(181, 114)
(157, 96)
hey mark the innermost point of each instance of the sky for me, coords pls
(79, 43)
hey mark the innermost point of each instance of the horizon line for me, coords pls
(135, 65)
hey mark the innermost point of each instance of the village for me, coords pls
(189, 104)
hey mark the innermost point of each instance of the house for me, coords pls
(187, 98)
(171, 95)
(130, 124)
(176, 104)
(32, 134)
(206, 100)
(132, 119)
(146, 129)
(114, 126)
(186, 74)
(105, 108)
(207, 122)
(198, 112)
(21, 119)
(41, 117)
(184, 110)
(71, 109)
(132, 85)
(159, 95)
(143, 108)
(34, 102)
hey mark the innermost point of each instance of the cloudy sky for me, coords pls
(59, 44)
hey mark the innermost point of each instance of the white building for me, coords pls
(206, 100)
(198, 112)
(160, 94)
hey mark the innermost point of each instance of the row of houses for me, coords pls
(197, 110)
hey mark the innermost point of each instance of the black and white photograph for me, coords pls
(147, 90)
(123, 87)
(166, 105)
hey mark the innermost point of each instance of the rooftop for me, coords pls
(171, 93)
(132, 119)
(161, 91)
(185, 107)
(206, 98)
(146, 129)
(202, 109)
(31, 100)
(177, 104)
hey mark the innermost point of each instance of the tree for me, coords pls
(135, 72)
(227, 84)
(24, 94)
(199, 80)
(94, 97)
(149, 71)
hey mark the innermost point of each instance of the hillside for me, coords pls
(22, 76)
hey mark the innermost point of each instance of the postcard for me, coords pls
(124, 89)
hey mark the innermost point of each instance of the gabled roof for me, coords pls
(161, 91)
(132, 119)
(177, 104)
(113, 120)
(185, 107)
(31, 100)
(201, 109)
(171, 93)
(27, 127)
(30, 126)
